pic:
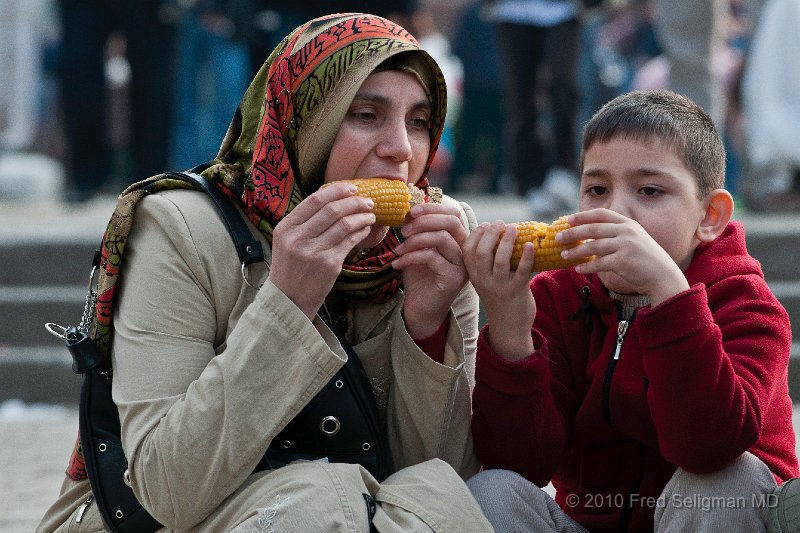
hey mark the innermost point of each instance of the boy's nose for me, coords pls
(618, 204)
(394, 142)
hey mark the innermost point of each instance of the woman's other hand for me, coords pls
(432, 266)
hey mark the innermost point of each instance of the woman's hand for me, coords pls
(311, 243)
(505, 294)
(432, 266)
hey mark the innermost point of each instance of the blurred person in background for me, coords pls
(213, 69)
(688, 33)
(437, 44)
(27, 29)
(478, 133)
(147, 27)
(539, 42)
(771, 110)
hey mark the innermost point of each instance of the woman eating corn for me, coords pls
(211, 365)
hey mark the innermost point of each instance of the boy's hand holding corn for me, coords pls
(499, 258)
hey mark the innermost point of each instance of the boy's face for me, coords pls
(649, 183)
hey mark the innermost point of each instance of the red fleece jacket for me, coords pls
(700, 379)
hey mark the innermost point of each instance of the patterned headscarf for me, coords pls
(277, 146)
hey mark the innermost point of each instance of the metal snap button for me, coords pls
(330, 426)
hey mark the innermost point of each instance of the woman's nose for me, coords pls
(394, 141)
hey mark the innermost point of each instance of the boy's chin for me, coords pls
(615, 283)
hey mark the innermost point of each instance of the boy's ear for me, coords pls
(719, 209)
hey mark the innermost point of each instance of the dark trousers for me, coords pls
(527, 52)
(87, 25)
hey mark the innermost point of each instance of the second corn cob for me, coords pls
(547, 252)
(392, 198)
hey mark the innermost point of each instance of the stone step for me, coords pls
(775, 242)
(25, 310)
(55, 242)
(32, 263)
(46, 263)
(788, 292)
(43, 374)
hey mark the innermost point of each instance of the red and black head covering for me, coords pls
(277, 145)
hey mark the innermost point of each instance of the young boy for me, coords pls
(649, 384)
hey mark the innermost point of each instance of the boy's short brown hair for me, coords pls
(670, 117)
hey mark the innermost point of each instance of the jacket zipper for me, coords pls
(626, 512)
(622, 329)
(82, 509)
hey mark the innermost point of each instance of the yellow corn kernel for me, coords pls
(547, 252)
(393, 198)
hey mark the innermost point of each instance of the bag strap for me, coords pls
(247, 246)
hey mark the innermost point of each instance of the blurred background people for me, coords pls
(478, 133)
(431, 38)
(213, 69)
(539, 42)
(771, 110)
(148, 29)
(102, 87)
(688, 33)
(26, 29)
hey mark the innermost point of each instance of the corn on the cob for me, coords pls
(547, 252)
(393, 198)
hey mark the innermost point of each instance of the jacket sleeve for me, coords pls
(523, 409)
(429, 408)
(198, 402)
(429, 405)
(712, 378)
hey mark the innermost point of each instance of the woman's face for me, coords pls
(385, 133)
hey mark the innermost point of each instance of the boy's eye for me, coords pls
(595, 190)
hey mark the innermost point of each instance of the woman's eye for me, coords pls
(649, 191)
(364, 116)
(420, 123)
(595, 190)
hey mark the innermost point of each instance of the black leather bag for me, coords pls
(104, 458)
(340, 424)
